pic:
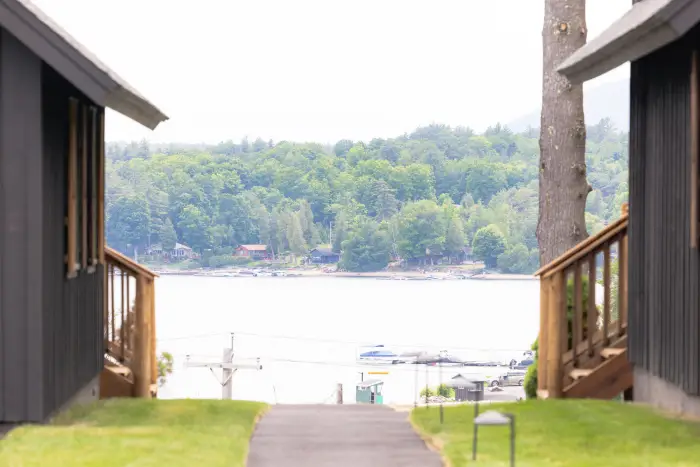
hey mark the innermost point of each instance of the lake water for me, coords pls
(306, 331)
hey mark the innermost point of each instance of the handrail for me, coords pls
(129, 263)
(585, 247)
(129, 319)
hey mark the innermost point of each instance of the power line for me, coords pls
(192, 337)
(340, 341)
(409, 367)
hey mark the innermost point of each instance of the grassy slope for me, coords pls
(138, 433)
(566, 433)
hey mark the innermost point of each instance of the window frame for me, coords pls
(694, 147)
(72, 266)
(85, 188)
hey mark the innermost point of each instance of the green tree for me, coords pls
(167, 235)
(194, 228)
(421, 230)
(488, 244)
(128, 222)
(516, 259)
(295, 235)
(165, 367)
(366, 248)
(454, 230)
(384, 203)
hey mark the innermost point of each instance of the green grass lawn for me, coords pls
(573, 433)
(132, 432)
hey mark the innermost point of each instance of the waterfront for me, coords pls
(306, 331)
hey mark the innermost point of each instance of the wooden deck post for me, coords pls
(142, 357)
(542, 350)
(152, 329)
(557, 313)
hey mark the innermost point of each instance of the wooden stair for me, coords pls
(116, 381)
(607, 380)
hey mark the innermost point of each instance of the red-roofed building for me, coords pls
(256, 252)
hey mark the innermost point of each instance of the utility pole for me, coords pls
(339, 394)
(227, 374)
(228, 369)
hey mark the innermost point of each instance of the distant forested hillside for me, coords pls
(608, 100)
(418, 196)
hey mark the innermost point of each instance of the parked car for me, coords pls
(513, 378)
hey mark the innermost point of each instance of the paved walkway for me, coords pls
(338, 436)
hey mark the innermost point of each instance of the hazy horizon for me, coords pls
(311, 71)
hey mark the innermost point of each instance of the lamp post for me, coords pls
(442, 415)
(493, 418)
(476, 429)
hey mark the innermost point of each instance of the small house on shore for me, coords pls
(182, 252)
(179, 252)
(324, 256)
(254, 252)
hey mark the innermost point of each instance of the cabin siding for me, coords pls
(73, 315)
(664, 307)
(21, 249)
(50, 327)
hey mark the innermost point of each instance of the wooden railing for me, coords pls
(575, 324)
(129, 320)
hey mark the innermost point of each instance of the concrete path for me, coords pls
(338, 436)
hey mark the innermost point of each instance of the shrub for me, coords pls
(165, 367)
(442, 390)
(223, 261)
(530, 384)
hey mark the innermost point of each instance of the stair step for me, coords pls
(120, 370)
(580, 373)
(611, 352)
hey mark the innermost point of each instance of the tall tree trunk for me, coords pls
(563, 185)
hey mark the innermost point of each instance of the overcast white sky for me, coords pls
(320, 70)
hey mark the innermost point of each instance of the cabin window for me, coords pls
(72, 258)
(694, 150)
(84, 217)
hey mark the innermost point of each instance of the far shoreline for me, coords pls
(384, 275)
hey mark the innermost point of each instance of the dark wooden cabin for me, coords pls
(52, 254)
(324, 256)
(657, 343)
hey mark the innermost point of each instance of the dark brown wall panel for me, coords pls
(50, 327)
(74, 351)
(21, 248)
(664, 305)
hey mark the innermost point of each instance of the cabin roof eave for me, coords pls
(646, 27)
(44, 37)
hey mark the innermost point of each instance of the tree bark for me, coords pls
(563, 184)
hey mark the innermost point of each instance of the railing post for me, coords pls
(622, 284)
(543, 344)
(557, 313)
(152, 329)
(105, 307)
(142, 350)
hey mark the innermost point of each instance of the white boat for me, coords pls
(378, 354)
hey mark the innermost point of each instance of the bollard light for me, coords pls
(493, 418)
